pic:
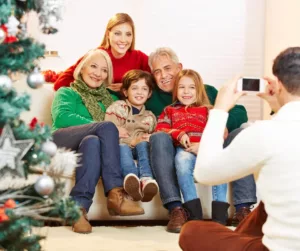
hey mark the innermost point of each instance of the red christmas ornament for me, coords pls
(2, 210)
(8, 38)
(33, 123)
(10, 204)
(50, 76)
(3, 217)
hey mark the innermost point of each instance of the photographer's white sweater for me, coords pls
(270, 150)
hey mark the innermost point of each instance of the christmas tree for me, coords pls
(32, 169)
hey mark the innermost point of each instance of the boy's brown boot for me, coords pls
(82, 226)
(119, 203)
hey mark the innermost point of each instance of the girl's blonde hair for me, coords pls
(119, 18)
(85, 60)
(201, 96)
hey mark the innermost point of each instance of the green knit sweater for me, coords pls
(68, 109)
(160, 99)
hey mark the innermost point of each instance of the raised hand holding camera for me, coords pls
(228, 95)
(269, 94)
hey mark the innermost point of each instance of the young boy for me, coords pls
(135, 124)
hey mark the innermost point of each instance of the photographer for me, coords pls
(268, 149)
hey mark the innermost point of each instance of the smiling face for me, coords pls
(120, 39)
(186, 92)
(165, 72)
(138, 93)
(95, 71)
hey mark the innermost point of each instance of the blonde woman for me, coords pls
(78, 113)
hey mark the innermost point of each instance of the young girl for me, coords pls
(135, 124)
(185, 121)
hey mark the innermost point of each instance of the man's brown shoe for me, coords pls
(120, 203)
(82, 226)
(178, 217)
(240, 215)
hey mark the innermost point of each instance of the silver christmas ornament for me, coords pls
(44, 185)
(35, 79)
(49, 148)
(5, 83)
(11, 153)
(2, 35)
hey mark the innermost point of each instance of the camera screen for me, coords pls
(250, 84)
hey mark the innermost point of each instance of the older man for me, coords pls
(165, 66)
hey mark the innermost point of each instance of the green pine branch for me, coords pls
(32, 209)
(39, 134)
(12, 104)
(15, 234)
(19, 56)
(5, 11)
(19, 7)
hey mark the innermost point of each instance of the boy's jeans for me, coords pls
(185, 165)
(141, 153)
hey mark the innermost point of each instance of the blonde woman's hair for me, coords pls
(162, 51)
(85, 60)
(119, 18)
(201, 96)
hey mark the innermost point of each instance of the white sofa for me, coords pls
(40, 108)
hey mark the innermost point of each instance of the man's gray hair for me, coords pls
(162, 51)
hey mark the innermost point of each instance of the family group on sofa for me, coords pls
(138, 122)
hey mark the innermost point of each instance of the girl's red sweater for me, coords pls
(178, 119)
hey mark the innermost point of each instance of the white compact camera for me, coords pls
(251, 85)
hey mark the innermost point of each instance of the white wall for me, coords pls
(282, 31)
(217, 38)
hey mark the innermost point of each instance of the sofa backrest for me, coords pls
(41, 100)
